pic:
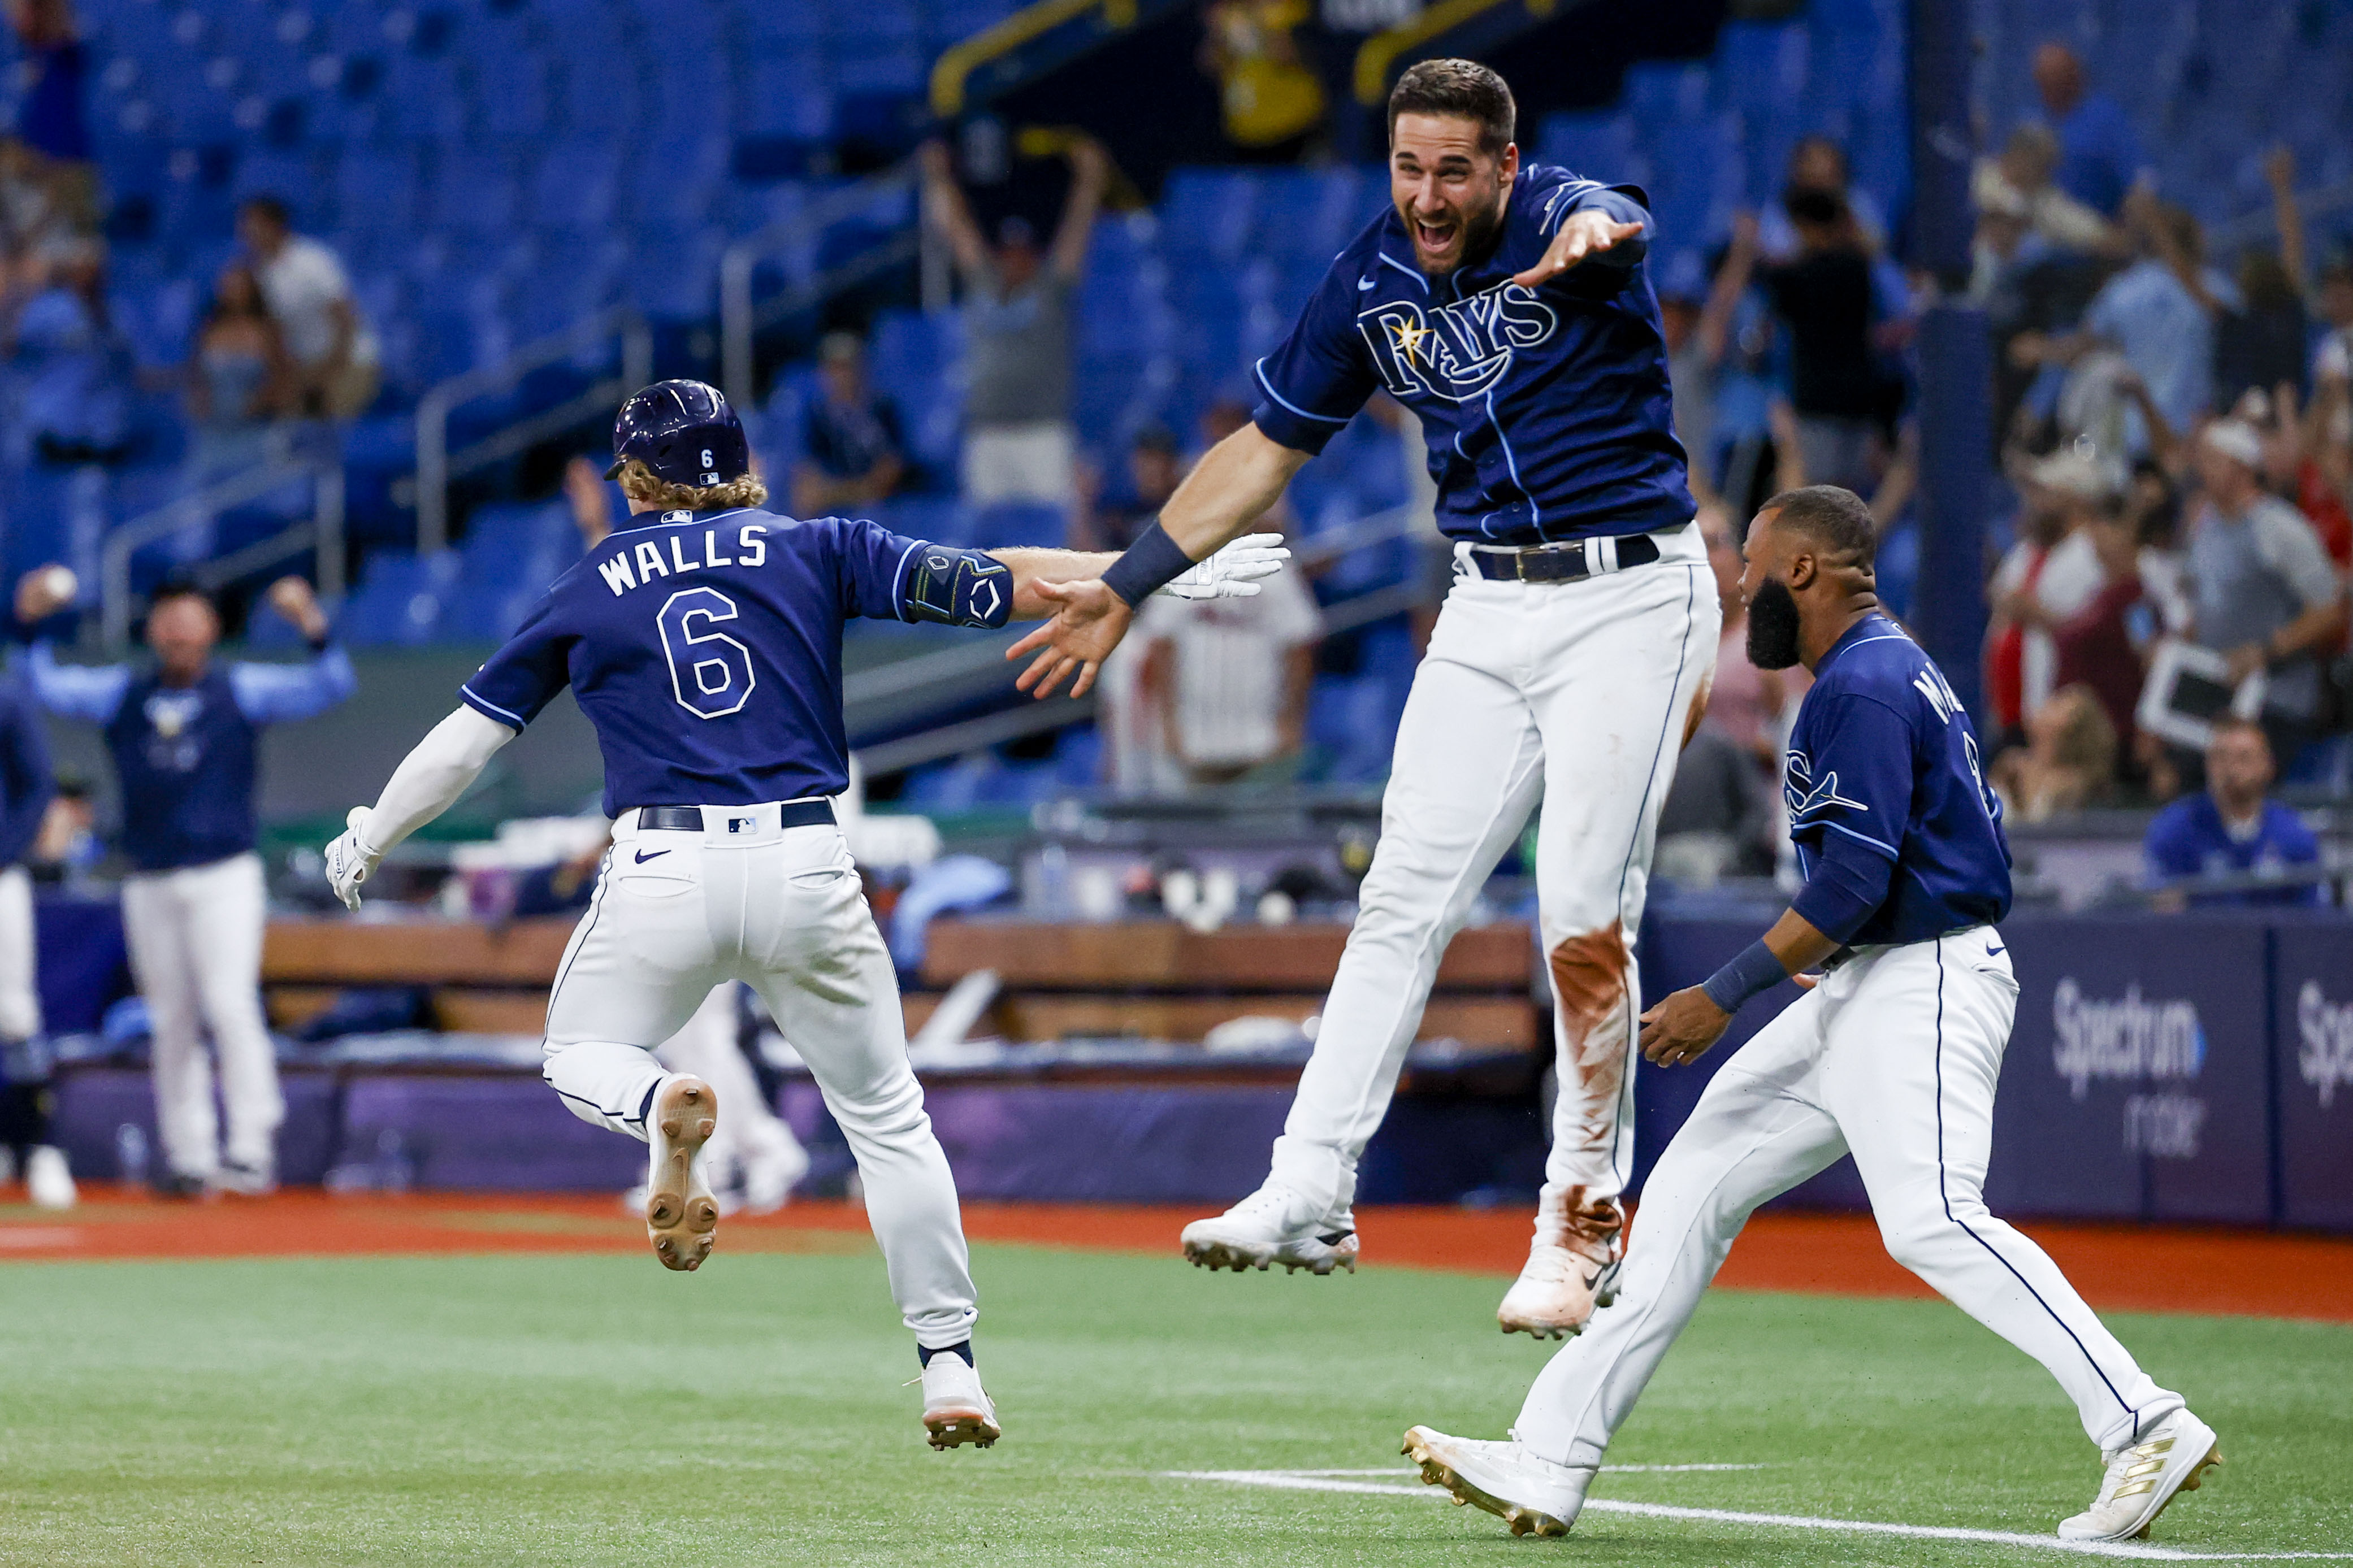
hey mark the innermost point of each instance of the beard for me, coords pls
(1478, 227)
(1773, 627)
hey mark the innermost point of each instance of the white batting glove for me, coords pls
(351, 858)
(1233, 573)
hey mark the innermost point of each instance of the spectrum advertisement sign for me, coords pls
(2313, 1009)
(2135, 1083)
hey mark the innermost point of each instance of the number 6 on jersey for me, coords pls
(710, 671)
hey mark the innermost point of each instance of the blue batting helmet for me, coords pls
(684, 432)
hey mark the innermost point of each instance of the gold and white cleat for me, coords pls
(956, 1409)
(1534, 1496)
(1571, 1271)
(681, 1215)
(2141, 1481)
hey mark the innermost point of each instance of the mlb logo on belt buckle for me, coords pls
(742, 823)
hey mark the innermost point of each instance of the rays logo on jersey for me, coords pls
(1458, 351)
(1805, 794)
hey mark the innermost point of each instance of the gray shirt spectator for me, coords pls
(2261, 588)
(1018, 336)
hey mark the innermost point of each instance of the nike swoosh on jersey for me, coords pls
(1365, 284)
(1991, 950)
(643, 857)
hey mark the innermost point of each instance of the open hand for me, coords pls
(1681, 1028)
(1233, 573)
(1078, 638)
(1581, 235)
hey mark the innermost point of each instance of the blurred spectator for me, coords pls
(51, 116)
(2099, 156)
(2232, 829)
(2069, 760)
(2263, 340)
(1229, 678)
(30, 218)
(1153, 468)
(590, 496)
(2051, 575)
(853, 451)
(330, 346)
(67, 850)
(1697, 311)
(1715, 823)
(1745, 705)
(239, 380)
(2262, 590)
(1818, 164)
(1271, 99)
(1018, 443)
(2101, 647)
(1824, 297)
(2020, 182)
(2160, 312)
(76, 367)
(2332, 359)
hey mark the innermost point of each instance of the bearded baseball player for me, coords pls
(1893, 1056)
(1506, 305)
(703, 642)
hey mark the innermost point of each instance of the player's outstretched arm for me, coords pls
(1234, 483)
(1681, 1028)
(427, 783)
(1234, 571)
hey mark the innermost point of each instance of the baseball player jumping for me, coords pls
(1507, 306)
(1893, 1056)
(703, 642)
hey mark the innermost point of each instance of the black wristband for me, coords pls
(1751, 974)
(1152, 562)
(322, 642)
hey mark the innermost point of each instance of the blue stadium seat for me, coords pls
(1598, 146)
(399, 599)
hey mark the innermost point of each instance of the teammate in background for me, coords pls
(703, 642)
(1892, 1057)
(1507, 307)
(26, 787)
(184, 736)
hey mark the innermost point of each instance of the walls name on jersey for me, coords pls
(2323, 1057)
(2128, 1038)
(1458, 351)
(636, 563)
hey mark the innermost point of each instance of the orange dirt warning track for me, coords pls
(2128, 1267)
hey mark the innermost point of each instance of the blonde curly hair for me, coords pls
(639, 483)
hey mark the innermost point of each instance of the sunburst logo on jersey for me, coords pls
(1408, 336)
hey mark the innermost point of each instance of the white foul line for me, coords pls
(1329, 1481)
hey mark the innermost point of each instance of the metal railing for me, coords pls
(950, 668)
(741, 317)
(437, 466)
(322, 531)
(952, 76)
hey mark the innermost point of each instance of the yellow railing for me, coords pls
(957, 63)
(1379, 53)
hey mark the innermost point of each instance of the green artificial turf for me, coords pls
(575, 1410)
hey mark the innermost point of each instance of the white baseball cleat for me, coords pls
(2141, 1479)
(956, 1409)
(680, 1214)
(1273, 1225)
(1572, 1268)
(1534, 1496)
(48, 1182)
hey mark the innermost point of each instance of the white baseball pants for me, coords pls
(20, 995)
(1579, 695)
(1894, 1058)
(676, 913)
(194, 936)
(750, 1131)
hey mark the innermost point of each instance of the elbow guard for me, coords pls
(958, 588)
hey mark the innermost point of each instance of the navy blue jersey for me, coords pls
(25, 783)
(1898, 836)
(705, 646)
(2190, 839)
(1546, 411)
(187, 755)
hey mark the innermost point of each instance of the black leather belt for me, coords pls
(1557, 562)
(689, 819)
